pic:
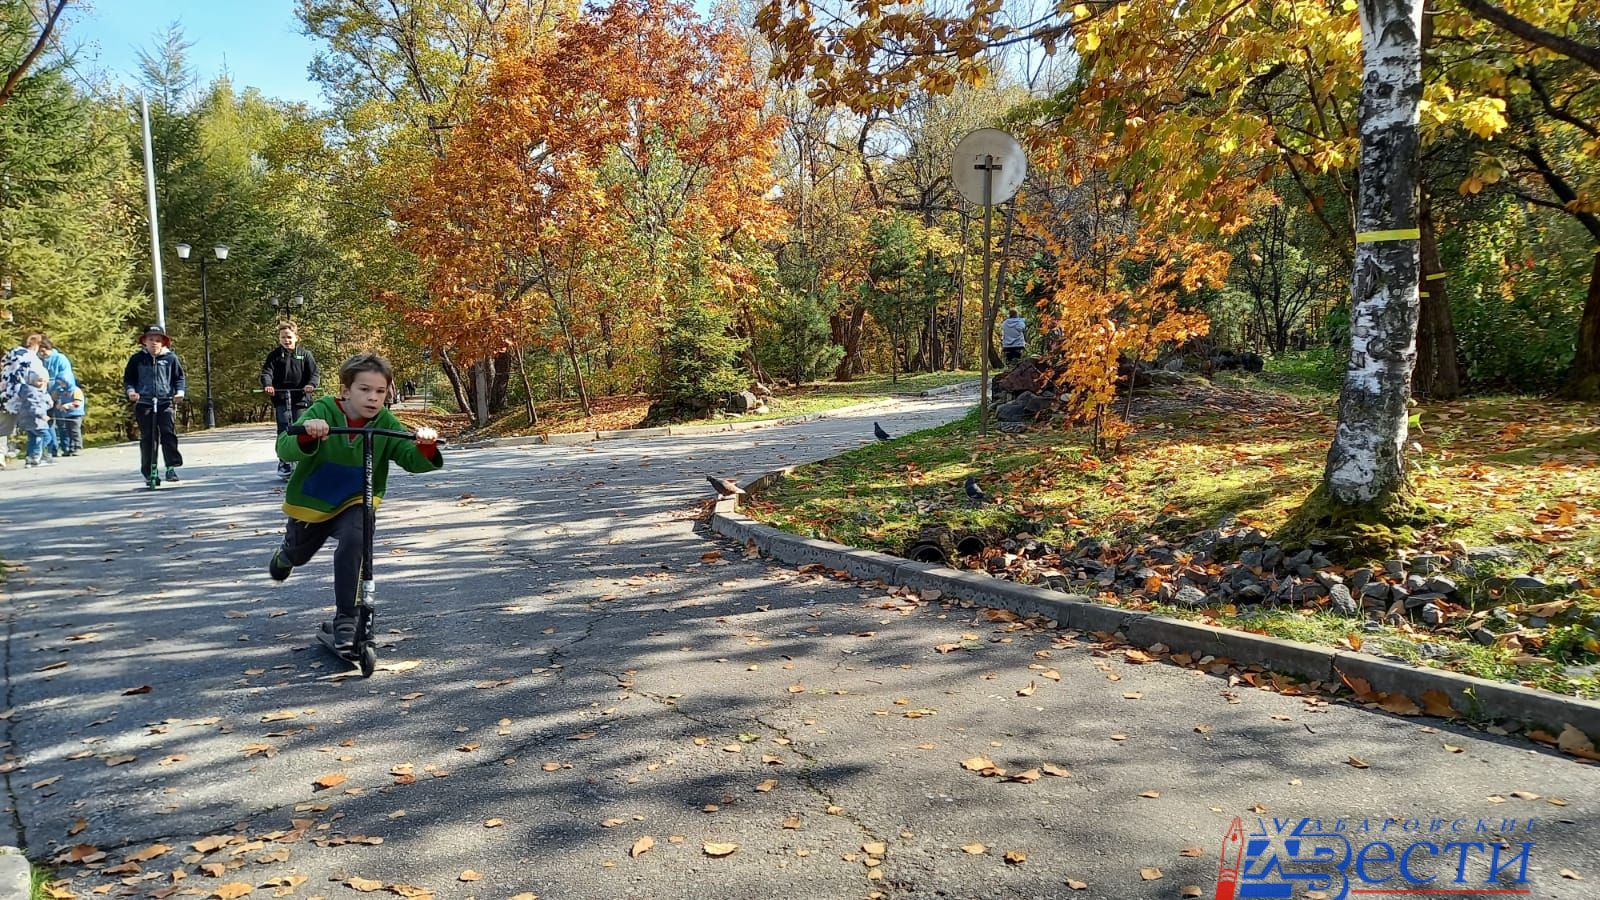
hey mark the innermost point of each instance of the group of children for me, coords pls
(41, 399)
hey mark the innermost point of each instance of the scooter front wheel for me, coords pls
(368, 661)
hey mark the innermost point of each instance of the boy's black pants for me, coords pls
(287, 411)
(162, 426)
(302, 540)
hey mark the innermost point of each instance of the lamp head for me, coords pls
(183, 251)
(221, 250)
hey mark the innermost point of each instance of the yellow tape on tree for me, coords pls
(1395, 234)
(1435, 276)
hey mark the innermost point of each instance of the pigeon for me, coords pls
(725, 487)
(974, 492)
(879, 432)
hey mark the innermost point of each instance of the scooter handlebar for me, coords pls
(298, 429)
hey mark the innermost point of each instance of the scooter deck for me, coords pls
(353, 655)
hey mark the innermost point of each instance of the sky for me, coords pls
(257, 42)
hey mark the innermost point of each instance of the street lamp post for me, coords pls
(221, 252)
(286, 304)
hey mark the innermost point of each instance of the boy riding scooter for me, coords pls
(288, 376)
(325, 495)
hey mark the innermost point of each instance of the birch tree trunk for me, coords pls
(1366, 463)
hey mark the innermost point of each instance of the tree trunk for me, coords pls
(847, 334)
(1583, 381)
(527, 387)
(480, 373)
(500, 366)
(1366, 463)
(456, 384)
(1438, 374)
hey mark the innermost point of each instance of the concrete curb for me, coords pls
(1474, 698)
(588, 437)
(16, 875)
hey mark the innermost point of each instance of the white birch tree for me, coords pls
(1366, 460)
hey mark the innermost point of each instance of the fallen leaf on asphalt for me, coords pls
(1150, 874)
(977, 764)
(1524, 795)
(1016, 857)
(266, 750)
(526, 896)
(1191, 891)
(1051, 674)
(85, 853)
(150, 852)
(494, 823)
(1576, 743)
(329, 781)
(51, 667)
(1132, 695)
(412, 891)
(1436, 703)
(1399, 704)
(947, 648)
(793, 823)
(1119, 737)
(1259, 808)
(1555, 801)
(875, 848)
(797, 689)
(1053, 769)
(551, 766)
(1451, 748)
(45, 782)
(174, 758)
(712, 848)
(1150, 795)
(233, 891)
(1027, 777)
(1077, 885)
(767, 785)
(1191, 852)
(78, 825)
(1357, 762)
(1568, 873)
(611, 823)
(209, 844)
(975, 849)
(1027, 691)
(286, 885)
(1202, 729)
(641, 846)
(141, 689)
(281, 716)
(120, 760)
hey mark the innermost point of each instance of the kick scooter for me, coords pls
(363, 652)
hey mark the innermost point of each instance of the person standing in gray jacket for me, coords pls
(154, 380)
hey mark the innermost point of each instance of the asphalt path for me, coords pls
(571, 664)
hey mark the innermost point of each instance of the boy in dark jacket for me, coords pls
(323, 498)
(289, 376)
(154, 380)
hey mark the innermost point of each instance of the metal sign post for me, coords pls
(988, 166)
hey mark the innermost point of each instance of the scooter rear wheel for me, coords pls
(368, 661)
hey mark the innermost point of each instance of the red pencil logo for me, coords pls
(1228, 871)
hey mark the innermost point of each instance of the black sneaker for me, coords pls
(277, 568)
(344, 633)
(172, 473)
(285, 469)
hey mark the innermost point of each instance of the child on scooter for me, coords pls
(324, 495)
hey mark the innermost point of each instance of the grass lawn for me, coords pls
(1516, 472)
(616, 413)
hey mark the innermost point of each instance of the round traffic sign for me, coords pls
(995, 150)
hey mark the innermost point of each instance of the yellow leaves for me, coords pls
(718, 849)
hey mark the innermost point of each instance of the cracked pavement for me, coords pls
(564, 671)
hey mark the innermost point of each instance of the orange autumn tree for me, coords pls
(598, 163)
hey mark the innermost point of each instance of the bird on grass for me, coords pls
(879, 433)
(975, 493)
(725, 487)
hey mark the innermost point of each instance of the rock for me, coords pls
(1251, 559)
(1439, 584)
(1358, 579)
(1422, 598)
(1056, 582)
(1024, 376)
(1398, 594)
(1174, 364)
(1251, 537)
(1089, 548)
(1528, 587)
(1341, 602)
(1395, 568)
(1428, 563)
(1271, 557)
(1254, 592)
(1432, 650)
(1328, 579)
(1307, 592)
(1299, 559)
(742, 402)
(1483, 636)
(1415, 583)
(1494, 552)
(760, 390)
(1025, 408)
(1318, 561)
(1431, 614)
(1011, 427)
(1162, 554)
(1376, 590)
(1189, 596)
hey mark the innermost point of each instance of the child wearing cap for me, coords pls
(153, 380)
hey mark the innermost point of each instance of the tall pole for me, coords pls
(155, 225)
(205, 331)
(983, 340)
